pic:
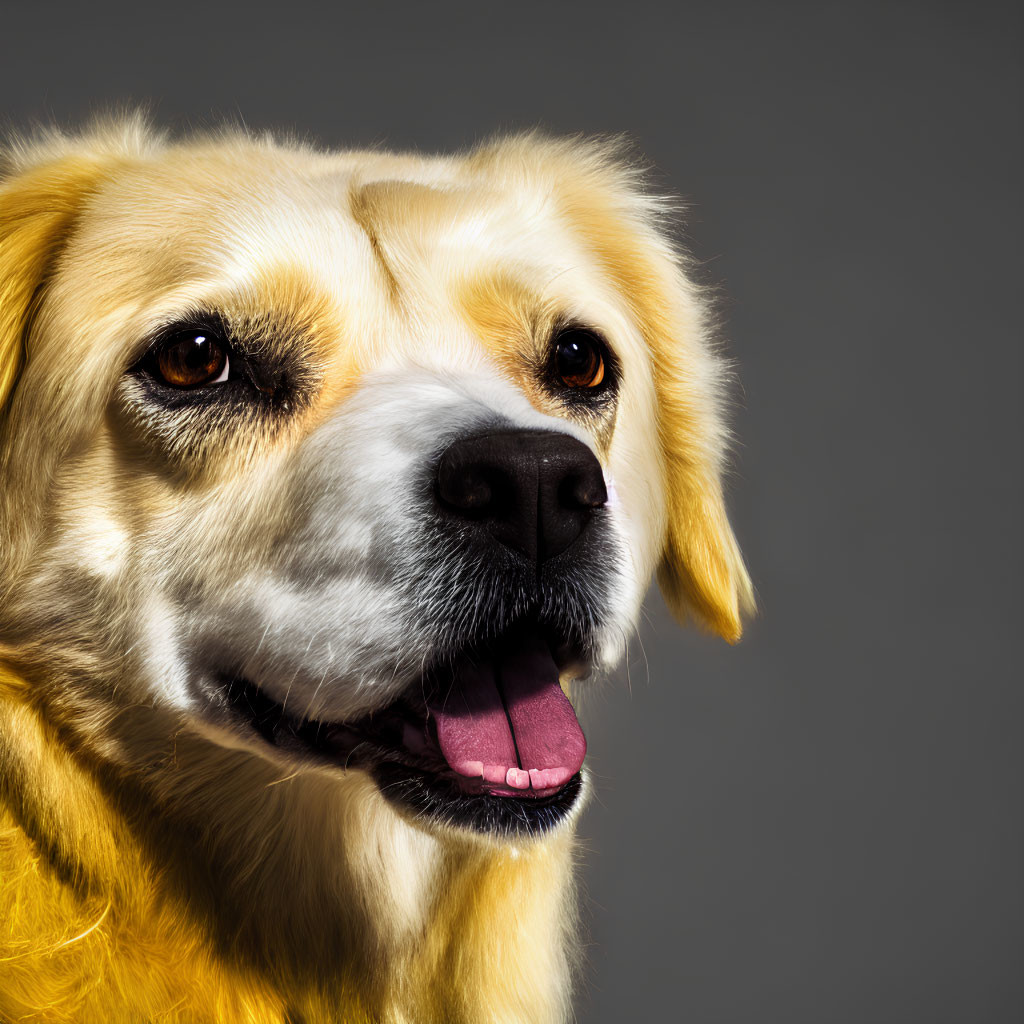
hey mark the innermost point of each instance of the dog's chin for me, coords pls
(484, 742)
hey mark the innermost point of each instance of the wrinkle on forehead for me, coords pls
(418, 232)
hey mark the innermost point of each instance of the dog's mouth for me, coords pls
(488, 741)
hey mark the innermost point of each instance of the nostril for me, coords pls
(470, 494)
(470, 487)
(585, 490)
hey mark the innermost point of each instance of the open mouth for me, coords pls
(488, 742)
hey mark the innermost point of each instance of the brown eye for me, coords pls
(579, 359)
(191, 359)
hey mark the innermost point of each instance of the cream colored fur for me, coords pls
(152, 868)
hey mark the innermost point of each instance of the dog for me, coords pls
(327, 479)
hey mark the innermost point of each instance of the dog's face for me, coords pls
(353, 461)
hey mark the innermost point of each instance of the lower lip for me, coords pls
(476, 787)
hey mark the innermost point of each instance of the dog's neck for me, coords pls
(212, 881)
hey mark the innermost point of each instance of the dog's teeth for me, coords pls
(495, 772)
(471, 769)
(517, 778)
(549, 778)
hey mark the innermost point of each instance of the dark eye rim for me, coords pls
(210, 324)
(273, 372)
(582, 395)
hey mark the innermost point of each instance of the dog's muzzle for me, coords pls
(515, 560)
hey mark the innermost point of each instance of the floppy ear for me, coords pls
(702, 574)
(37, 209)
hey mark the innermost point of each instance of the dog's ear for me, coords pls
(702, 574)
(37, 210)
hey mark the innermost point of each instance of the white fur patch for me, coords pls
(327, 626)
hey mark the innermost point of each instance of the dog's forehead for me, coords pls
(366, 229)
(389, 257)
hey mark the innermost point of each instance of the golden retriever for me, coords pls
(324, 479)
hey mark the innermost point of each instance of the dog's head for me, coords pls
(353, 460)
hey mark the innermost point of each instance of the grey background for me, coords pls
(823, 824)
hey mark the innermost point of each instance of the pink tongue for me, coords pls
(508, 722)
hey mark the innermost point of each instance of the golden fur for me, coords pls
(146, 872)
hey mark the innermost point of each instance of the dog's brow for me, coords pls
(362, 209)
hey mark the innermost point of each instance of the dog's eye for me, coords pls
(191, 359)
(579, 359)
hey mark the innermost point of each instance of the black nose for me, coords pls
(532, 490)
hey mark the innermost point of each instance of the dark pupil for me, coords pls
(192, 360)
(577, 360)
(197, 353)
